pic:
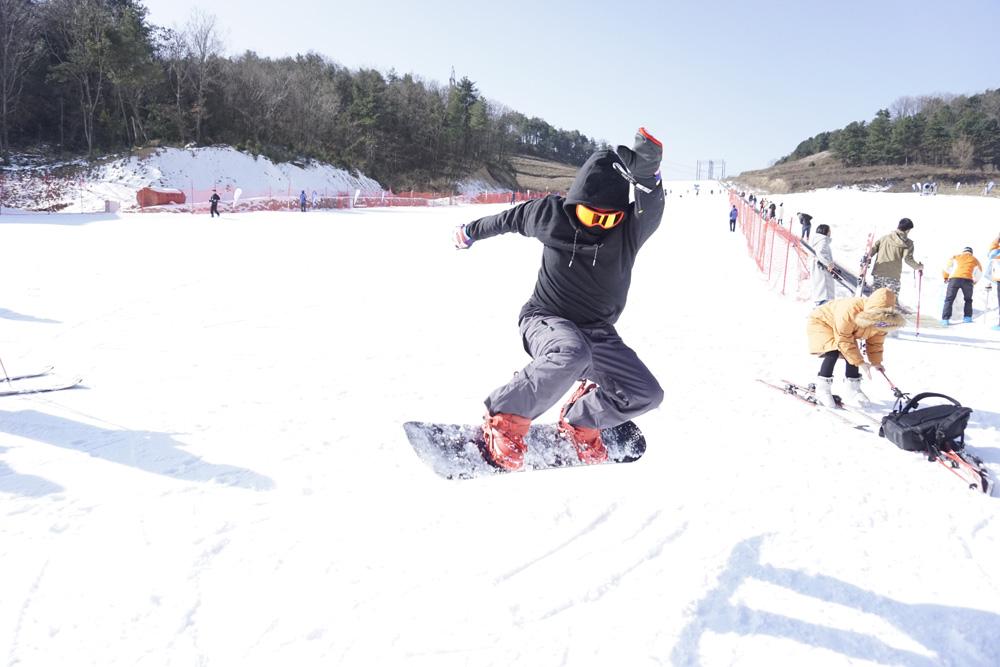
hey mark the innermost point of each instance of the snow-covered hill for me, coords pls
(233, 486)
(193, 169)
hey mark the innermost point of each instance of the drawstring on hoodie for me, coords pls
(573, 254)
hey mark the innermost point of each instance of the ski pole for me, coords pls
(920, 285)
(895, 390)
(5, 376)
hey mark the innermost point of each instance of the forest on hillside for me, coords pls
(943, 130)
(95, 77)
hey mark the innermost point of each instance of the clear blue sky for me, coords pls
(740, 81)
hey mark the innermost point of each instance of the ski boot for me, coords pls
(824, 392)
(967, 320)
(855, 395)
(504, 437)
(587, 441)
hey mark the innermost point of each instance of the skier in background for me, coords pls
(213, 209)
(302, 201)
(834, 330)
(590, 238)
(822, 267)
(962, 273)
(806, 221)
(733, 214)
(889, 253)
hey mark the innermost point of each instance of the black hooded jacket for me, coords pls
(585, 273)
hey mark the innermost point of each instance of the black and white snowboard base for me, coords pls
(455, 451)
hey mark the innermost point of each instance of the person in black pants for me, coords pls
(214, 199)
(733, 214)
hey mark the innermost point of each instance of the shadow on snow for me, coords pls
(950, 635)
(158, 453)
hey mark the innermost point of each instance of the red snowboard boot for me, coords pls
(589, 446)
(504, 435)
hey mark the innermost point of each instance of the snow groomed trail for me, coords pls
(233, 485)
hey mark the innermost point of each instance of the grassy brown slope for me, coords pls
(822, 170)
(530, 173)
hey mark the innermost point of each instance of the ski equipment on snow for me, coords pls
(866, 261)
(938, 431)
(41, 384)
(455, 451)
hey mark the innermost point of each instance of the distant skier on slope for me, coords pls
(213, 209)
(822, 267)
(590, 238)
(834, 330)
(962, 273)
(733, 215)
(889, 253)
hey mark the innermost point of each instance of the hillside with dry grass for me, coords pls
(524, 172)
(823, 170)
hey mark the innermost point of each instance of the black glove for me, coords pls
(643, 159)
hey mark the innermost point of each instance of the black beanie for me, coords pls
(905, 224)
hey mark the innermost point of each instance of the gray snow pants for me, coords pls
(563, 353)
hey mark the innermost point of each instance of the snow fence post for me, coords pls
(784, 280)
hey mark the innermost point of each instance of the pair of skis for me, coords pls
(964, 465)
(36, 382)
(866, 261)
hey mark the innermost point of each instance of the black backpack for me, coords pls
(932, 429)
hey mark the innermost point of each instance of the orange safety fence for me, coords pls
(777, 252)
(33, 190)
(289, 199)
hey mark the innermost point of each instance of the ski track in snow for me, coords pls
(233, 486)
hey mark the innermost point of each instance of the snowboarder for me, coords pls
(733, 214)
(889, 253)
(822, 268)
(806, 221)
(302, 201)
(962, 273)
(214, 204)
(834, 330)
(590, 238)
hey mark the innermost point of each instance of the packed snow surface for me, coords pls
(233, 485)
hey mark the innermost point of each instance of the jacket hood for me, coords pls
(881, 312)
(598, 185)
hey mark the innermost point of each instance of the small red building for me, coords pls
(159, 196)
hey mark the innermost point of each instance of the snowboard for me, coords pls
(455, 451)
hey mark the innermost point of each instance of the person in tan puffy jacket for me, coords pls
(962, 273)
(834, 330)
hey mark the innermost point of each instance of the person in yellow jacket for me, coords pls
(834, 330)
(962, 273)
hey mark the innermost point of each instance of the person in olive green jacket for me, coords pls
(889, 253)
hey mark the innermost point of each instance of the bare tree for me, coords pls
(77, 38)
(18, 51)
(964, 152)
(904, 106)
(204, 47)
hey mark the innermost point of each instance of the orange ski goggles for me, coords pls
(596, 217)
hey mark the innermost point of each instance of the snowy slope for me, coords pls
(233, 487)
(199, 169)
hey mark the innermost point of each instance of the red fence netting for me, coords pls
(777, 252)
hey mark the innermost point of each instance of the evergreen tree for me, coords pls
(849, 146)
(877, 146)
